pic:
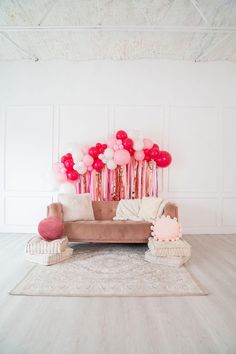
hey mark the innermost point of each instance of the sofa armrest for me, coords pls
(171, 209)
(55, 209)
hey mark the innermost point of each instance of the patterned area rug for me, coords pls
(107, 270)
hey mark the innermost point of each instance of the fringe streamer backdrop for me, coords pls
(134, 180)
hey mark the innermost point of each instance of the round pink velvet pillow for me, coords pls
(51, 228)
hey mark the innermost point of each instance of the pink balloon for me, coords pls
(88, 160)
(56, 167)
(139, 155)
(85, 149)
(121, 157)
(111, 141)
(61, 177)
(148, 143)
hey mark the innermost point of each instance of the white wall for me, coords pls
(187, 108)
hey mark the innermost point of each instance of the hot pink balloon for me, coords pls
(88, 160)
(148, 143)
(139, 155)
(121, 157)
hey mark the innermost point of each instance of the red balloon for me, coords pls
(154, 153)
(102, 148)
(98, 165)
(98, 145)
(66, 157)
(94, 152)
(128, 143)
(121, 134)
(131, 151)
(155, 145)
(164, 159)
(63, 158)
(69, 164)
(147, 153)
(72, 175)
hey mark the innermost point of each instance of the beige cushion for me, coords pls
(49, 259)
(37, 245)
(76, 206)
(128, 209)
(169, 248)
(149, 208)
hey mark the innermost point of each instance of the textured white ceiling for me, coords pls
(193, 30)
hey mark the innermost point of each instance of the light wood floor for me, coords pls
(190, 325)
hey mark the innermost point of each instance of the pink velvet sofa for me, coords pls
(104, 228)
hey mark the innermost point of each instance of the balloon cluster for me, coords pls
(118, 151)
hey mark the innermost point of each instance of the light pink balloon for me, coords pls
(56, 167)
(61, 165)
(111, 141)
(85, 149)
(121, 157)
(148, 143)
(88, 160)
(139, 155)
(61, 177)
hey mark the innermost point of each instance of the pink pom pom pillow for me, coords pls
(51, 228)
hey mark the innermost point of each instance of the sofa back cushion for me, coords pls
(104, 210)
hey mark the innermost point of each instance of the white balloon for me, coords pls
(79, 154)
(111, 165)
(101, 156)
(140, 135)
(138, 145)
(109, 153)
(104, 160)
(68, 188)
(81, 164)
(82, 169)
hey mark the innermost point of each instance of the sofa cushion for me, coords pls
(104, 210)
(108, 231)
(76, 206)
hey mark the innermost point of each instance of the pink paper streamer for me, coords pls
(140, 167)
(147, 181)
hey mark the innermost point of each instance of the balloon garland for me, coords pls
(124, 167)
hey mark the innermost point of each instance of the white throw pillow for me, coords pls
(128, 209)
(76, 206)
(149, 208)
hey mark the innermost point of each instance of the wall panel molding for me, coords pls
(204, 207)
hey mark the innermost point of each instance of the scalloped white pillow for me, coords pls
(76, 206)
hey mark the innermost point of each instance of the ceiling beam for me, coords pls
(212, 47)
(196, 5)
(47, 13)
(19, 48)
(191, 29)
